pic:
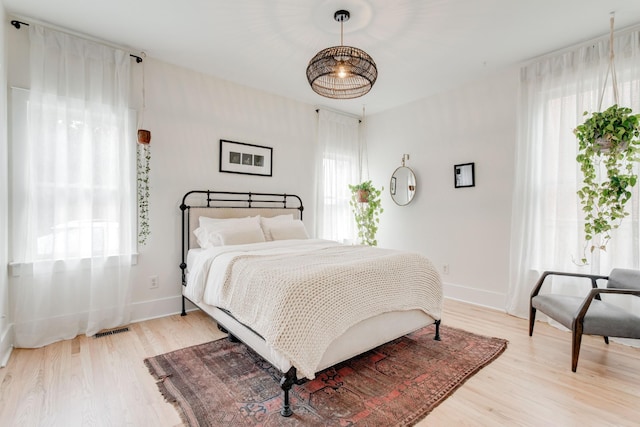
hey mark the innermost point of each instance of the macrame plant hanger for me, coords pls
(144, 136)
(611, 69)
(363, 161)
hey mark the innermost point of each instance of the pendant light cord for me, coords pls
(611, 69)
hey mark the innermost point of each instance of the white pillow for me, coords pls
(289, 230)
(267, 223)
(242, 236)
(207, 234)
(202, 237)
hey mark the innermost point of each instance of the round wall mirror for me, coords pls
(403, 186)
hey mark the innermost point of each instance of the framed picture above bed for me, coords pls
(248, 159)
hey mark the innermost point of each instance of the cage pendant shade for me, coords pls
(342, 72)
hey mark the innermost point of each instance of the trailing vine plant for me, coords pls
(608, 148)
(366, 206)
(143, 158)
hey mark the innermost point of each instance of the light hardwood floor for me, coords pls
(103, 381)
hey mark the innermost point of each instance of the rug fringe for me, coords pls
(166, 394)
(419, 416)
(153, 370)
(163, 377)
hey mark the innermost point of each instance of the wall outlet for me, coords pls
(153, 282)
(445, 269)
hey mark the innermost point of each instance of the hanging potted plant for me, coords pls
(609, 144)
(143, 160)
(366, 205)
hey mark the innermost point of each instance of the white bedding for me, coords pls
(230, 277)
(206, 267)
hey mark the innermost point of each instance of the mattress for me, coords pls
(339, 332)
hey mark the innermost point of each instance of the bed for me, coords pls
(302, 304)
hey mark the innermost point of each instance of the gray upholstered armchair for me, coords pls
(590, 315)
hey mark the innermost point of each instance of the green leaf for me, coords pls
(603, 198)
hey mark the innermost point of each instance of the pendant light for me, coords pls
(342, 72)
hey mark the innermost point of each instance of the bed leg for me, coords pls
(184, 312)
(437, 337)
(287, 381)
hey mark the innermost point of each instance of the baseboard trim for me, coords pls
(154, 309)
(162, 307)
(6, 346)
(481, 297)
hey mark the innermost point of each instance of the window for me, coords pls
(336, 214)
(547, 219)
(72, 184)
(338, 167)
(75, 183)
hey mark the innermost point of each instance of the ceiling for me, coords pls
(421, 47)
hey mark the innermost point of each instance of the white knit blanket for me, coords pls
(300, 303)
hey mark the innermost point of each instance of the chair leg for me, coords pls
(532, 319)
(606, 340)
(575, 350)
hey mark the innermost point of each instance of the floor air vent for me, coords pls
(111, 332)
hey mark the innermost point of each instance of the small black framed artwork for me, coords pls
(248, 159)
(464, 175)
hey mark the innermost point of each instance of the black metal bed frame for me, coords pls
(230, 199)
(247, 200)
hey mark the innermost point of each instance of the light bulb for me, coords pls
(342, 71)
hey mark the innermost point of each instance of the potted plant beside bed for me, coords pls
(366, 205)
(608, 147)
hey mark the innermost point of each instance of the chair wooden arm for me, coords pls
(593, 277)
(595, 293)
(561, 305)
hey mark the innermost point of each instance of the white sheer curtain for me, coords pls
(339, 157)
(73, 182)
(547, 219)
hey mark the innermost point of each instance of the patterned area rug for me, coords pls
(221, 383)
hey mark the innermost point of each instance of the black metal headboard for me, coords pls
(230, 204)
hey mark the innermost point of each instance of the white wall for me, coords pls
(6, 338)
(467, 228)
(188, 113)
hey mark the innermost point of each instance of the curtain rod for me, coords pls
(17, 24)
(621, 32)
(339, 112)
